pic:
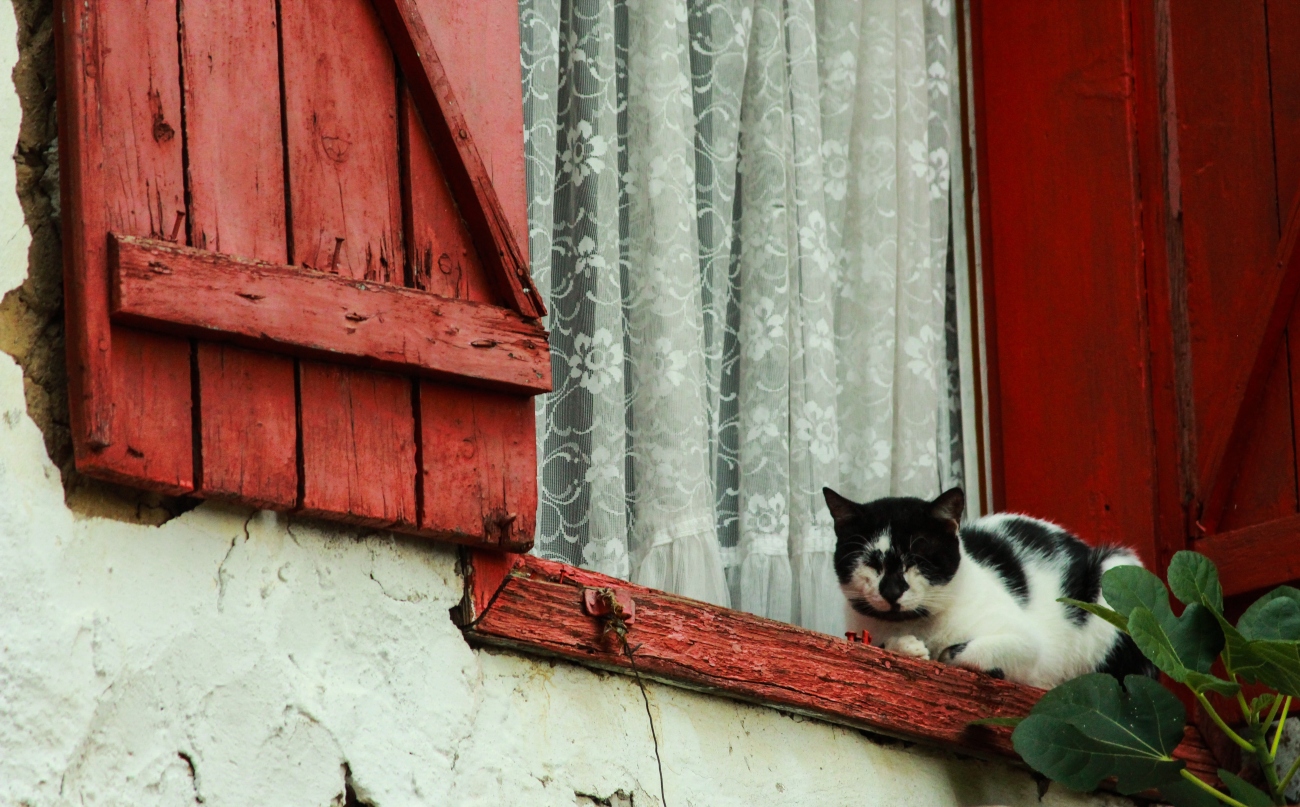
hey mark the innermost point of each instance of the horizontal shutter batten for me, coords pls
(162, 286)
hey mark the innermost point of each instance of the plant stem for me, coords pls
(1259, 733)
(1277, 735)
(1272, 713)
(1191, 777)
(1218, 721)
(1246, 713)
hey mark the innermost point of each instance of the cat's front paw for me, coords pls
(964, 654)
(907, 646)
(950, 653)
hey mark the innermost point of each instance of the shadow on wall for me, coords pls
(31, 316)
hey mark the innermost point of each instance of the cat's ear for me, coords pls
(949, 506)
(842, 510)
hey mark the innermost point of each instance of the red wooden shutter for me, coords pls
(1140, 192)
(295, 267)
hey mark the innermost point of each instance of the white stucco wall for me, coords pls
(234, 658)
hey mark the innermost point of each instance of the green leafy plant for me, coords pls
(1090, 729)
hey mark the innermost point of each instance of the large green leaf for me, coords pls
(1113, 617)
(1183, 647)
(1088, 729)
(1194, 580)
(1127, 587)
(1275, 664)
(1275, 616)
(1244, 791)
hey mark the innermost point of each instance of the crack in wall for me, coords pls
(222, 576)
(194, 775)
(350, 797)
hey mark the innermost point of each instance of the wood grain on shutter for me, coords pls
(1063, 265)
(319, 315)
(442, 257)
(1156, 142)
(480, 465)
(236, 184)
(358, 426)
(499, 247)
(1230, 229)
(478, 46)
(121, 147)
(1284, 77)
(365, 472)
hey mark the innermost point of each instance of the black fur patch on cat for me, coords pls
(991, 550)
(1082, 579)
(1124, 659)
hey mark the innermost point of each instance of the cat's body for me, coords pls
(982, 597)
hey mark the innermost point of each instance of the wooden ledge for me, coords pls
(287, 309)
(532, 605)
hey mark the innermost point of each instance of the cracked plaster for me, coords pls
(237, 658)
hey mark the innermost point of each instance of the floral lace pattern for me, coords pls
(739, 215)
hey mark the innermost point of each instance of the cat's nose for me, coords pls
(891, 588)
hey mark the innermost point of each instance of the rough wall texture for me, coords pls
(237, 658)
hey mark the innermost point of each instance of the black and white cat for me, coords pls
(982, 596)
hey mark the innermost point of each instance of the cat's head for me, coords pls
(895, 557)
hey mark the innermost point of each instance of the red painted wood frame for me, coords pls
(522, 602)
(294, 270)
(1138, 167)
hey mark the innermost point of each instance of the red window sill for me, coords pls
(536, 606)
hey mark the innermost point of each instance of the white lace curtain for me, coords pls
(740, 218)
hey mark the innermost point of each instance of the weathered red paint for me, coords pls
(453, 140)
(305, 154)
(442, 257)
(321, 315)
(480, 465)
(235, 178)
(248, 426)
(121, 151)
(538, 606)
(364, 472)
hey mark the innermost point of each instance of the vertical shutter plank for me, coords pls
(480, 466)
(478, 44)
(341, 110)
(443, 258)
(130, 390)
(478, 449)
(358, 427)
(237, 206)
(365, 472)
(151, 400)
(1064, 271)
(1284, 73)
(1230, 221)
(249, 426)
